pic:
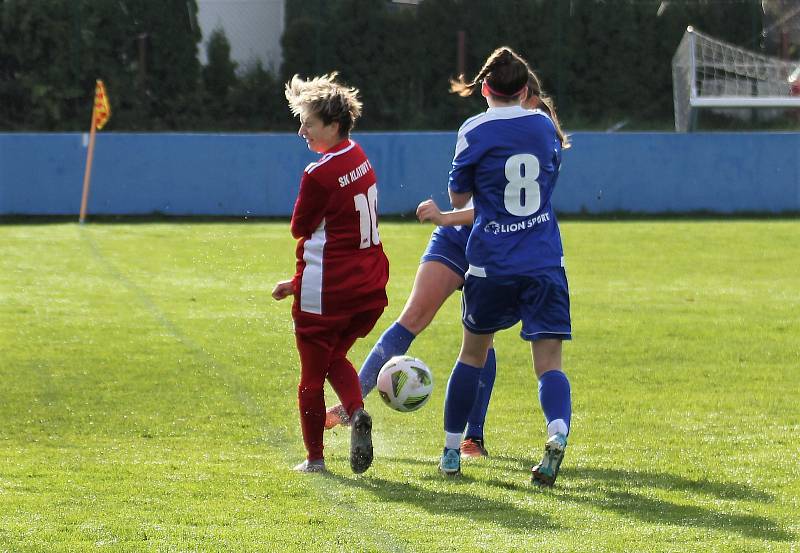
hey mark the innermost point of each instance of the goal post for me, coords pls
(710, 73)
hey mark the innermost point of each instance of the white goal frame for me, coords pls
(710, 73)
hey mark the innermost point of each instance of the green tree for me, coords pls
(219, 75)
(257, 102)
(54, 50)
(172, 71)
(39, 74)
(602, 60)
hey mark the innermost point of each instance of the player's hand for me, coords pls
(429, 211)
(283, 289)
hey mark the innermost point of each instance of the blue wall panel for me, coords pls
(659, 172)
(258, 174)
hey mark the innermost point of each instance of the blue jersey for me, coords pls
(509, 159)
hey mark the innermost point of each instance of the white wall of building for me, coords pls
(253, 28)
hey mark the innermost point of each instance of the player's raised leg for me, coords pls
(343, 377)
(344, 381)
(434, 283)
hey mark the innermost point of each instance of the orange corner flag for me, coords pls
(102, 108)
(101, 113)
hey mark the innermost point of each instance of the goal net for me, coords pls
(710, 73)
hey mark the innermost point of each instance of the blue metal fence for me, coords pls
(258, 174)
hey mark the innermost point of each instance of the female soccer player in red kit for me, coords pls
(339, 287)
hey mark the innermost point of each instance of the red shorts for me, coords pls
(336, 333)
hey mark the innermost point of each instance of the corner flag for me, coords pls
(102, 109)
(101, 113)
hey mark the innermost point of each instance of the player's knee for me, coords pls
(473, 358)
(415, 318)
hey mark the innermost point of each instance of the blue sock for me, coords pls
(394, 341)
(478, 414)
(554, 395)
(460, 396)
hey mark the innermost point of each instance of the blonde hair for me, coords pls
(329, 100)
(547, 105)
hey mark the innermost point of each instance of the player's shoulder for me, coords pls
(543, 128)
(331, 160)
(542, 118)
(488, 120)
(468, 124)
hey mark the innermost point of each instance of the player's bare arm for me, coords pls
(429, 211)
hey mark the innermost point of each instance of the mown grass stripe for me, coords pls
(329, 488)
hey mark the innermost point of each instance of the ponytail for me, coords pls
(504, 71)
(506, 75)
(547, 105)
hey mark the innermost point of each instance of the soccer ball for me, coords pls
(405, 383)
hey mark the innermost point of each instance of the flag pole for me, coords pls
(88, 173)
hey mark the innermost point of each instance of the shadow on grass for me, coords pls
(664, 481)
(445, 501)
(628, 493)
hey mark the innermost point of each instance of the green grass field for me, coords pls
(149, 399)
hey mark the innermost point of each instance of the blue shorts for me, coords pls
(540, 301)
(448, 245)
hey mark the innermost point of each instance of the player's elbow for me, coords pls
(459, 200)
(297, 231)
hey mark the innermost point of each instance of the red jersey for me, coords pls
(341, 267)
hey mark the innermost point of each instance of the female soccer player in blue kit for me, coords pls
(507, 162)
(441, 272)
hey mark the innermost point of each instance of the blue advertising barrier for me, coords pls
(258, 174)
